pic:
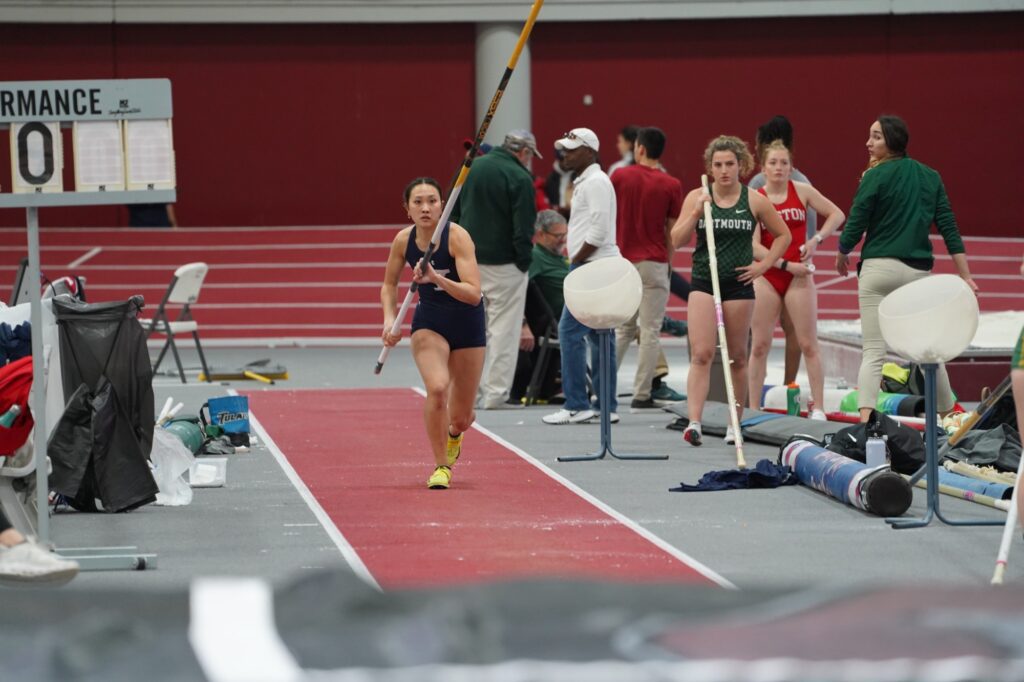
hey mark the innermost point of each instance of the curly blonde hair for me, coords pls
(730, 143)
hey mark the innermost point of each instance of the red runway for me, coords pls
(503, 517)
(310, 282)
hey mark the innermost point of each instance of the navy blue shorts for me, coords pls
(732, 289)
(461, 326)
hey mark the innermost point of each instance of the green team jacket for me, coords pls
(896, 204)
(498, 206)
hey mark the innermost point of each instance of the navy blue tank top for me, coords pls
(443, 264)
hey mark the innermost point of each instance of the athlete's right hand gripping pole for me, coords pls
(709, 232)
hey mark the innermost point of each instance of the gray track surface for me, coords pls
(793, 537)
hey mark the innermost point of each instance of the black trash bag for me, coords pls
(94, 473)
(998, 447)
(103, 346)
(70, 444)
(906, 445)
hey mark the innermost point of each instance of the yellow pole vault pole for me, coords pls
(466, 164)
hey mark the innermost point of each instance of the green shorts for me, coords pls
(1018, 353)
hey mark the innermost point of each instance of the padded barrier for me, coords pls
(757, 426)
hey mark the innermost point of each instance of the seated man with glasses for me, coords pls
(544, 301)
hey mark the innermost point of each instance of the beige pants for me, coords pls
(879, 277)
(504, 293)
(647, 320)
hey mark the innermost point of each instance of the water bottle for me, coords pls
(875, 451)
(793, 399)
(8, 417)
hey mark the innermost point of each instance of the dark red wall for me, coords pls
(957, 80)
(323, 124)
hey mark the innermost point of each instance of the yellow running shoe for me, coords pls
(440, 479)
(454, 448)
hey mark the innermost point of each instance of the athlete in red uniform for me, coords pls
(790, 281)
(794, 213)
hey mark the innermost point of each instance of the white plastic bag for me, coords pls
(171, 460)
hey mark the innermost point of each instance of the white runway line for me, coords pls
(348, 552)
(672, 550)
(94, 251)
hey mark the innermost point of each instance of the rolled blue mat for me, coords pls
(875, 490)
(826, 471)
(998, 491)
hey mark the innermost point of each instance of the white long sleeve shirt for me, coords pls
(592, 218)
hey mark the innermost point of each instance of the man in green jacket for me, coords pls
(498, 206)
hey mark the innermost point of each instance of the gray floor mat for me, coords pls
(758, 426)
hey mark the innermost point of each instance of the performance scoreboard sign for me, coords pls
(122, 142)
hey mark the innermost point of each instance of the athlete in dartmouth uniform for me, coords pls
(448, 334)
(790, 279)
(735, 210)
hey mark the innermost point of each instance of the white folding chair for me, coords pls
(184, 291)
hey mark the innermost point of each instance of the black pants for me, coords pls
(678, 285)
(549, 383)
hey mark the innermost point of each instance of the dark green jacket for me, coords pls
(896, 204)
(498, 206)
(549, 270)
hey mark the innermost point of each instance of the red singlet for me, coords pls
(794, 214)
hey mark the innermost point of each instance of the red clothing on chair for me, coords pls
(15, 384)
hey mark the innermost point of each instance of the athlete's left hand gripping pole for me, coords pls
(466, 164)
(730, 394)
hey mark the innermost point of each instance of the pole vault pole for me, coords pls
(461, 179)
(1008, 529)
(730, 395)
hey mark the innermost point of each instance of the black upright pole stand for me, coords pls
(931, 466)
(605, 370)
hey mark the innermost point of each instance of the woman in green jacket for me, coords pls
(896, 204)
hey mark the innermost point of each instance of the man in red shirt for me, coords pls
(649, 201)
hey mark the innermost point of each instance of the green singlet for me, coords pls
(734, 235)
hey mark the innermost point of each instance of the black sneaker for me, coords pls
(674, 327)
(647, 404)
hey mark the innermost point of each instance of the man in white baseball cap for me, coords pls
(579, 137)
(591, 237)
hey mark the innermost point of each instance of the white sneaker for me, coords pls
(565, 416)
(584, 417)
(818, 415)
(613, 417)
(730, 436)
(31, 564)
